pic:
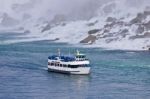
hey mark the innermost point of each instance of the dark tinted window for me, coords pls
(64, 65)
(73, 66)
(52, 64)
(57, 64)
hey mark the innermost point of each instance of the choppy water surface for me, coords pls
(115, 74)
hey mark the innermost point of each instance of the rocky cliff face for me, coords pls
(141, 25)
(127, 33)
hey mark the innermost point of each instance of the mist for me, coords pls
(48, 9)
(72, 9)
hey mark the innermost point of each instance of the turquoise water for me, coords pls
(115, 74)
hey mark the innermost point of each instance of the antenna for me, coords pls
(77, 52)
(59, 52)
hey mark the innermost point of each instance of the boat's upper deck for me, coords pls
(78, 57)
(68, 58)
(62, 58)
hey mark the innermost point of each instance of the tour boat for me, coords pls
(76, 64)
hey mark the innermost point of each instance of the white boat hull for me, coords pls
(79, 70)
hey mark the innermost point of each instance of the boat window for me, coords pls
(77, 56)
(52, 64)
(64, 65)
(73, 66)
(60, 65)
(49, 63)
(57, 64)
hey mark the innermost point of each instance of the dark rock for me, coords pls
(123, 33)
(121, 23)
(90, 39)
(109, 25)
(46, 28)
(135, 21)
(147, 47)
(146, 35)
(138, 19)
(56, 39)
(63, 24)
(147, 13)
(99, 35)
(106, 31)
(109, 35)
(141, 16)
(140, 29)
(111, 19)
(111, 39)
(147, 25)
(93, 31)
(92, 24)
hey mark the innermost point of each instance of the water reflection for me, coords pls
(76, 86)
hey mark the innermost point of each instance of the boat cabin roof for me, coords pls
(62, 58)
(80, 56)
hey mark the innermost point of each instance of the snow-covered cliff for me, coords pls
(112, 24)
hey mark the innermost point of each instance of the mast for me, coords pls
(58, 52)
(77, 52)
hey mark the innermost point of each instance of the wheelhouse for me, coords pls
(81, 57)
